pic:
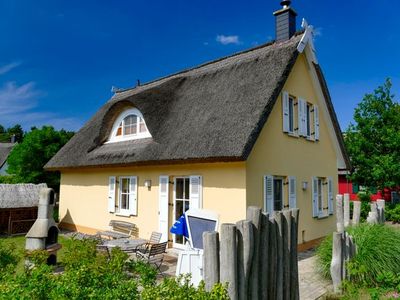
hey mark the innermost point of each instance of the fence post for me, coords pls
(294, 273)
(228, 259)
(337, 261)
(346, 209)
(373, 214)
(245, 248)
(254, 215)
(381, 209)
(339, 213)
(264, 253)
(286, 233)
(272, 259)
(211, 259)
(279, 255)
(356, 212)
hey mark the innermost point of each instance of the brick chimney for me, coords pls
(285, 22)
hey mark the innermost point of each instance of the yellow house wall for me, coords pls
(84, 194)
(276, 153)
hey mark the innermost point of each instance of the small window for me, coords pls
(322, 197)
(291, 115)
(308, 120)
(278, 194)
(130, 125)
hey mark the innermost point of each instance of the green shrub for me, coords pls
(364, 196)
(181, 288)
(9, 257)
(89, 274)
(392, 213)
(378, 248)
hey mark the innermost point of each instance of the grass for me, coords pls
(378, 248)
(18, 244)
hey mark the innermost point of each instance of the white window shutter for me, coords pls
(285, 111)
(292, 192)
(315, 212)
(316, 122)
(133, 195)
(330, 195)
(163, 207)
(195, 192)
(269, 193)
(111, 193)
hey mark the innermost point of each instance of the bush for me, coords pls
(89, 274)
(378, 248)
(392, 213)
(180, 288)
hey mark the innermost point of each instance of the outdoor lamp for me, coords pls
(304, 185)
(147, 183)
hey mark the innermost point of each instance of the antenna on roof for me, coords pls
(138, 82)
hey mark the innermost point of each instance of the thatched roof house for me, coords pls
(193, 115)
(20, 195)
(256, 128)
(5, 150)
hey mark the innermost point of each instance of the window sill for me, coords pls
(123, 215)
(323, 216)
(292, 134)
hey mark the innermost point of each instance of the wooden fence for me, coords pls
(343, 245)
(257, 257)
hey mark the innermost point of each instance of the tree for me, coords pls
(26, 160)
(373, 142)
(16, 130)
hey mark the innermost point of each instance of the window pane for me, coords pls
(124, 201)
(130, 125)
(178, 209)
(119, 130)
(125, 185)
(308, 120)
(142, 127)
(179, 188)
(130, 120)
(291, 118)
(187, 188)
(320, 205)
(278, 194)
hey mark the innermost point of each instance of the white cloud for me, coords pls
(228, 39)
(318, 31)
(17, 105)
(7, 68)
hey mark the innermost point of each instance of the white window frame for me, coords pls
(138, 135)
(323, 192)
(126, 212)
(309, 109)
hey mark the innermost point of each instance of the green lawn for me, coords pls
(19, 243)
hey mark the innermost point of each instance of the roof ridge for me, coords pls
(265, 45)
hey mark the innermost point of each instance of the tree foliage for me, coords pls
(27, 159)
(373, 142)
(6, 134)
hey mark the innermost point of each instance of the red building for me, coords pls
(346, 186)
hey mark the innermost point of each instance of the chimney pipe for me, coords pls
(285, 22)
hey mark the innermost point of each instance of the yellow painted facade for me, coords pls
(228, 188)
(279, 154)
(84, 194)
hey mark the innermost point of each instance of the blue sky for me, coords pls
(59, 59)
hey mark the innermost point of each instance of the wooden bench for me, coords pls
(119, 229)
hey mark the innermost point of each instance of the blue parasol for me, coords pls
(180, 227)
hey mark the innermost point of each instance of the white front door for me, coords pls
(181, 204)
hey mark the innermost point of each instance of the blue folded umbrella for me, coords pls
(180, 227)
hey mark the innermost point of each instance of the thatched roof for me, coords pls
(20, 195)
(213, 112)
(5, 149)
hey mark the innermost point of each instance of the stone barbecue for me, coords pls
(43, 235)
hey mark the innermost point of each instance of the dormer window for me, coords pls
(130, 125)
